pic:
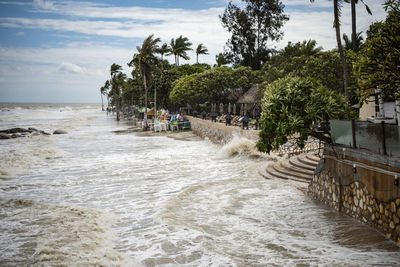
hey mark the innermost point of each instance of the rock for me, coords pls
(4, 136)
(15, 130)
(392, 207)
(59, 132)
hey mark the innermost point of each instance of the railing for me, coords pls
(380, 138)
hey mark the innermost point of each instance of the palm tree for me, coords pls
(200, 50)
(179, 48)
(103, 91)
(106, 88)
(353, 21)
(221, 60)
(349, 45)
(337, 5)
(115, 69)
(163, 50)
(146, 61)
(309, 48)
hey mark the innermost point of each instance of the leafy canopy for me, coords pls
(290, 106)
(251, 28)
(378, 65)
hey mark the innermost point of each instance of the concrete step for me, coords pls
(270, 170)
(290, 174)
(287, 165)
(300, 164)
(307, 161)
(313, 156)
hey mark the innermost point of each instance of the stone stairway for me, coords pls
(299, 168)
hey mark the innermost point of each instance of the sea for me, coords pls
(102, 195)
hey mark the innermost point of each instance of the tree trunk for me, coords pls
(353, 25)
(340, 48)
(145, 102)
(197, 58)
(102, 104)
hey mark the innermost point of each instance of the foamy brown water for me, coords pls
(95, 198)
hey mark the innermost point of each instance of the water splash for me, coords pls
(245, 147)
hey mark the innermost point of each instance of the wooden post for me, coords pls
(383, 138)
(353, 130)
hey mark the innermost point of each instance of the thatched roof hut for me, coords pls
(252, 96)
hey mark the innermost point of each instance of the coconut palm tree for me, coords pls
(353, 21)
(200, 50)
(309, 48)
(337, 7)
(178, 47)
(146, 61)
(115, 69)
(163, 50)
(349, 45)
(106, 89)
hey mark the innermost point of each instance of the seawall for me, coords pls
(362, 185)
(219, 132)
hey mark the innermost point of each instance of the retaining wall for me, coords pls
(219, 132)
(362, 185)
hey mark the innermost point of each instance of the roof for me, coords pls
(253, 95)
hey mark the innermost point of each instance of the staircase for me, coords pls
(299, 168)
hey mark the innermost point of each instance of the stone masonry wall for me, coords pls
(356, 201)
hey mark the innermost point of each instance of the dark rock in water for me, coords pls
(16, 130)
(4, 136)
(59, 132)
(22, 132)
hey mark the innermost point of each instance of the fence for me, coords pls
(378, 137)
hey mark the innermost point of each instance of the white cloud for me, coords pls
(68, 67)
(43, 5)
(20, 33)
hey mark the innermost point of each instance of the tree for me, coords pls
(337, 5)
(349, 45)
(208, 86)
(291, 105)
(114, 70)
(103, 91)
(221, 59)
(200, 50)
(309, 48)
(379, 60)
(145, 60)
(251, 28)
(163, 50)
(354, 34)
(178, 48)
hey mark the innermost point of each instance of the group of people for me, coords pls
(245, 120)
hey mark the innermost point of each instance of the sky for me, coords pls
(61, 51)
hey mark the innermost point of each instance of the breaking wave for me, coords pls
(25, 153)
(245, 147)
(52, 234)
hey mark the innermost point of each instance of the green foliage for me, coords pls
(251, 28)
(210, 85)
(378, 64)
(307, 60)
(290, 106)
